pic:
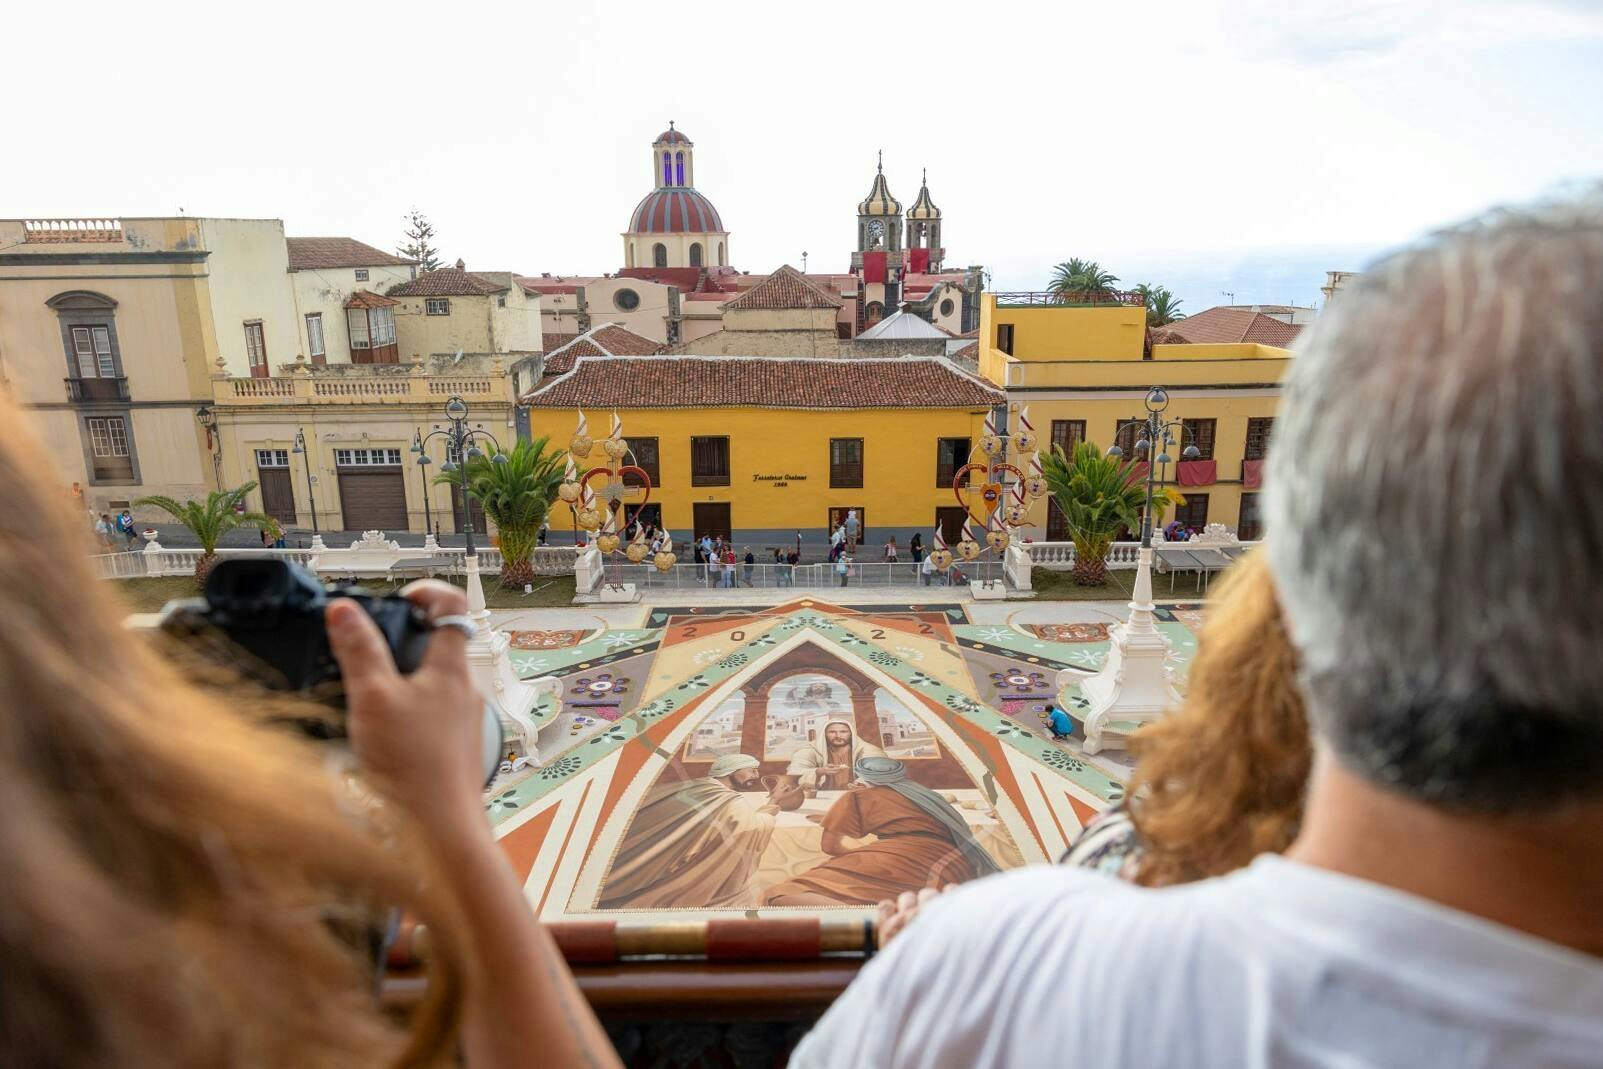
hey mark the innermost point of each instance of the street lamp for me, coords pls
(423, 462)
(461, 442)
(214, 444)
(1155, 429)
(306, 460)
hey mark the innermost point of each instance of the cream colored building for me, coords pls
(456, 310)
(358, 424)
(108, 333)
(337, 326)
(786, 314)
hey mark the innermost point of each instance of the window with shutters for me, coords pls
(437, 306)
(109, 455)
(1004, 337)
(846, 462)
(256, 349)
(1199, 432)
(1126, 434)
(92, 350)
(1258, 429)
(1066, 434)
(1249, 528)
(361, 274)
(356, 323)
(709, 461)
(1194, 513)
(1057, 524)
(643, 456)
(950, 454)
(314, 338)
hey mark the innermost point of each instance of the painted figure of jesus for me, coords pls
(830, 769)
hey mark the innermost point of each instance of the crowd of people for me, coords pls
(1372, 836)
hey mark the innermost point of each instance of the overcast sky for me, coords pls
(1208, 145)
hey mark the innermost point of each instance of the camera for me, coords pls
(273, 611)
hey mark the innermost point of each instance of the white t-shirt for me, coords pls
(1279, 965)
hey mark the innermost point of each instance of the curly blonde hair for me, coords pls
(1221, 780)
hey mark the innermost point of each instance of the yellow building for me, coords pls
(1083, 371)
(765, 449)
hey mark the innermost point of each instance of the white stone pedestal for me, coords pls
(987, 589)
(429, 542)
(1134, 685)
(318, 545)
(514, 699)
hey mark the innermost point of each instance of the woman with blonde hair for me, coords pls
(183, 876)
(1220, 780)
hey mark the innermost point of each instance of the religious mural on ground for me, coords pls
(800, 757)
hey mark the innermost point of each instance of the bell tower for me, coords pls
(924, 227)
(879, 220)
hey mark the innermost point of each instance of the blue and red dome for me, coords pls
(671, 136)
(675, 210)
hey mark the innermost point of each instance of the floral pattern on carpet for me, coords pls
(546, 640)
(1070, 632)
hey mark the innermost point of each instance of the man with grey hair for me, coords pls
(1436, 533)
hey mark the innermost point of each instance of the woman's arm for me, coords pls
(417, 739)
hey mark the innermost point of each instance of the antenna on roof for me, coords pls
(1228, 293)
(804, 261)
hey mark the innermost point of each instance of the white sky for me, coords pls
(1205, 144)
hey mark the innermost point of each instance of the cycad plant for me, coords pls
(516, 494)
(1099, 497)
(1077, 281)
(209, 520)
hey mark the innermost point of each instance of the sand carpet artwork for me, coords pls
(724, 762)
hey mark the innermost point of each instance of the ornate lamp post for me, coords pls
(214, 445)
(430, 536)
(1133, 685)
(311, 488)
(462, 445)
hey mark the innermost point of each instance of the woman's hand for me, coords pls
(416, 736)
(894, 915)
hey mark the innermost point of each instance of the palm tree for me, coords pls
(209, 520)
(1076, 280)
(1162, 306)
(1099, 497)
(516, 494)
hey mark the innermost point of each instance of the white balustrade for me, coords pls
(1059, 556)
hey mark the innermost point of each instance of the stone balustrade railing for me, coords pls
(392, 385)
(1059, 556)
(157, 560)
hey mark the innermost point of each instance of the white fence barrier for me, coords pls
(1059, 556)
(156, 560)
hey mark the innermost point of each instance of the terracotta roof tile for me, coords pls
(608, 339)
(447, 282)
(969, 352)
(550, 341)
(785, 288)
(369, 299)
(1229, 325)
(306, 254)
(762, 382)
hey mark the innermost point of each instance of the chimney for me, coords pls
(460, 266)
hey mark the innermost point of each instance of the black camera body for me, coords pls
(273, 610)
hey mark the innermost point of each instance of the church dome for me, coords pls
(671, 136)
(923, 207)
(879, 200)
(675, 210)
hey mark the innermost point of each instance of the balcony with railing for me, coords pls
(1070, 299)
(369, 384)
(80, 390)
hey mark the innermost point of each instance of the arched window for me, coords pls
(720, 254)
(659, 255)
(667, 168)
(695, 254)
(679, 169)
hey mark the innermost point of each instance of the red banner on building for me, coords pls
(1251, 474)
(1199, 472)
(918, 261)
(873, 267)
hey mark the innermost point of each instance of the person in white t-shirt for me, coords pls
(1443, 902)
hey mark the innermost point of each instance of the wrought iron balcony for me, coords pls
(108, 389)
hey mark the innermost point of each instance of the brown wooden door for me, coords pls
(950, 520)
(373, 499)
(278, 495)
(837, 516)
(712, 518)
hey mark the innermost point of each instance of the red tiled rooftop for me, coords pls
(369, 299)
(608, 339)
(1229, 325)
(448, 282)
(307, 254)
(786, 288)
(762, 382)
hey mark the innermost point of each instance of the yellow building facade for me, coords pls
(1083, 371)
(763, 450)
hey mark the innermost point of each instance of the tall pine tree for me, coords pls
(419, 244)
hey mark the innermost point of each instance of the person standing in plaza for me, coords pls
(837, 541)
(751, 564)
(854, 530)
(926, 569)
(916, 547)
(729, 567)
(106, 531)
(843, 568)
(125, 526)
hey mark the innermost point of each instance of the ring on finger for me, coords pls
(456, 622)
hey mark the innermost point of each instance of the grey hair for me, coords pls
(1435, 514)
